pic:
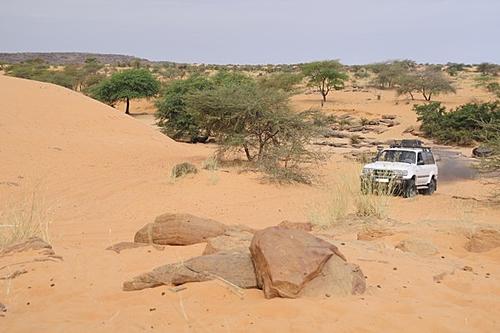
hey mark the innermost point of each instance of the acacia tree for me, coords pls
(325, 76)
(428, 82)
(126, 85)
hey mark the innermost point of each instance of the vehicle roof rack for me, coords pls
(409, 143)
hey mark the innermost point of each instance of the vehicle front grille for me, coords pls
(383, 173)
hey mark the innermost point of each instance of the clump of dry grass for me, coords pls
(345, 197)
(26, 218)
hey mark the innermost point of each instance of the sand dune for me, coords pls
(103, 175)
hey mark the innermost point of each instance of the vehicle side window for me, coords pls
(428, 158)
(420, 159)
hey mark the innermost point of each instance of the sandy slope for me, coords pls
(103, 175)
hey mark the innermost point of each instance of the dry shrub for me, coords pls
(345, 197)
(26, 218)
(182, 169)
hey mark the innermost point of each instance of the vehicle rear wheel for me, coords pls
(431, 187)
(410, 189)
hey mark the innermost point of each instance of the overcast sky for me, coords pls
(258, 31)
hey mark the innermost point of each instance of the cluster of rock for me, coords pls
(283, 261)
(32, 250)
(341, 135)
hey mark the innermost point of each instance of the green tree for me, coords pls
(429, 82)
(172, 115)
(487, 68)
(258, 121)
(325, 76)
(126, 85)
(388, 73)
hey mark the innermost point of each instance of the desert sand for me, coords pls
(103, 175)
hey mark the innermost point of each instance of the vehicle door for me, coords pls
(422, 171)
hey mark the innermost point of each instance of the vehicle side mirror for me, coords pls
(374, 159)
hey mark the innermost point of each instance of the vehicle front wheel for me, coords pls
(410, 189)
(431, 187)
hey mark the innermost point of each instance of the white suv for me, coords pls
(407, 167)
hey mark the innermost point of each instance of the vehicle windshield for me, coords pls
(403, 156)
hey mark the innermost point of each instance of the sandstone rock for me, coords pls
(3, 309)
(168, 274)
(389, 116)
(118, 247)
(417, 246)
(179, 229)
(32, 244)
(483, 239)
(304, 226)
(234, 267)
(231, 241)
(337, 278)
(286, 259)
(371, 233)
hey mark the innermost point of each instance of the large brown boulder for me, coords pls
(286, 260)
(337, 278)
(179, 229)
(236, 268)
(483, 239)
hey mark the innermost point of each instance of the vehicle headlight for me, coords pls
(401, 173)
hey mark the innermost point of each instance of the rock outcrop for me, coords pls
(337, 278)
(236, 268)
(179, 229)
(285, 260)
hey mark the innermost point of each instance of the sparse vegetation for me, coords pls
(183, 169)
(345, 197)
(464, 125)
(24, 219)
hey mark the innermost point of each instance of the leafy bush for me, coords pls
(172, 116)
(463, 126)
(283, 80)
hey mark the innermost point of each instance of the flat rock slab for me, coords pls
(32, 244)
(179, 229)
(118, 247)
(236, 268)
(231, 241)
(286, 259)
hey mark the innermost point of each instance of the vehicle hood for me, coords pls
(380, 165)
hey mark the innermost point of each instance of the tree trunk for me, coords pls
(127, 107)
(247, 152)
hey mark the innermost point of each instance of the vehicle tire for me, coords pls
(432, 187)
(410, 189)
